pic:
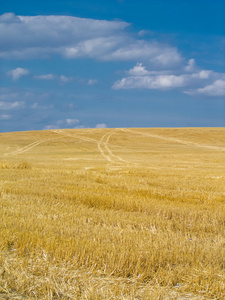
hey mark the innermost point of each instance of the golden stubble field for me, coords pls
(113, 214)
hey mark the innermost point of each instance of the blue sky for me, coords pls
(115, 63)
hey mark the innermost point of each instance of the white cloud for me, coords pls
(216, 89)
(60, 124)
(65, 79)
(25, 37)
(11, 105)
(45, 77)
(101, 125)
(156, 65)
(11, 97)
(50, 127)
(97, 47)
(152, 52)
(138, 70)
(150, 82)
(72, 121)
(5, 117)
(142, 33)
(62, 78)
(17, 73)
(41, 36)
(168, 57)
(35, 105)
(92, 81)
(191, 66)
(9, 18)
(71, 52)
(204, 82)
(203, 74)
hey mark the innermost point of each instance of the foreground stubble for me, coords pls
(113, 214)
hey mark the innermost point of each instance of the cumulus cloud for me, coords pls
(92, 81)
(17, 73)
(72, 121)
(142, 33)
(34, 105)
(41, 36)
(61, 78)
(10, 98)
(25, 37)
(65, 79)
(194, 81)
(191, 65)
(138, 70)
(150, 82)
(11, 105)
(151, 52)
(101, 125)
(216, 89)
(9, 18)
(157, 65)
(50, 127)
(96, 47)
(5, 117)
(45, 77)
(62, 124)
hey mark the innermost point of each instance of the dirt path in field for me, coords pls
(102, 144)
(175, 140)
(102, 147)
(77, 136)
(28, 147)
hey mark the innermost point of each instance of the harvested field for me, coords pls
(136, 213)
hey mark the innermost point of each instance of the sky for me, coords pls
(110, 64)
